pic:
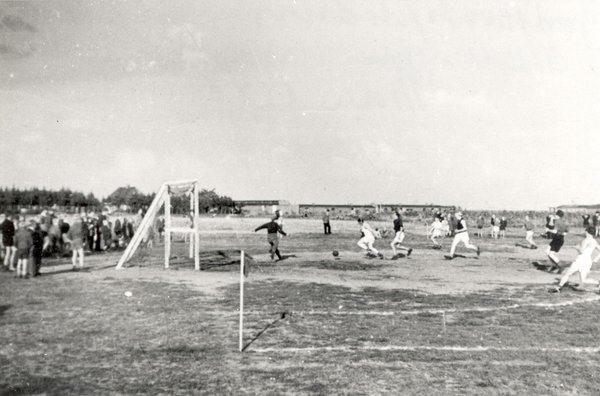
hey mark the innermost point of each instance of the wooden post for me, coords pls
(196, 235)
(144, 226)
(192, 239)
(167, 228)
(241, 300)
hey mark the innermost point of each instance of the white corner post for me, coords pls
(196, 236)
(241, 341)
(167, 228)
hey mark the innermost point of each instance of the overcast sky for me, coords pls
(481, 104)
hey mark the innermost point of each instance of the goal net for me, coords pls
(163, 199)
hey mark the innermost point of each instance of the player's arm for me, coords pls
(262, 227)
(280, 230)
(598, 256)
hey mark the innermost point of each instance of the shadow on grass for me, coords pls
(267, 327)
(32, 385)
(4, 308)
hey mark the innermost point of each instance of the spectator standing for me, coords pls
(503, 225)
(480, 224)
(76, 237)
(586, 221)
(8, 235)
(326, 224)
(23, 242)
(37, 236)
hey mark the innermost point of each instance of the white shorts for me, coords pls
(436, 232)
(528, 234)
(368, 240)
(399, 237)
(583, 264)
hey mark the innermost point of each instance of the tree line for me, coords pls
(14, 199)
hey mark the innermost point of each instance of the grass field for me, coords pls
(313, 324)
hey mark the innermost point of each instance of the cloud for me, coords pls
(468, 101)
(186, 41)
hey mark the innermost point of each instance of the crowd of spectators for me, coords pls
(25, 242)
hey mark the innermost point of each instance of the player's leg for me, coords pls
(468, 243)
(583, 277)
(529, 238)
(371, 248)
(276, 248)
(272, 249)
(403, 247)
(573, 268)
(74, 259)
(455, 242)
(8, 259)
(362, 243)
(81, 257)
(552, 251)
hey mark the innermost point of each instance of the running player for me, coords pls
(558, 233)
(437, 231)
(461, 235)
(529, 232)
(273, 231)
(368, 239)
(583, 262)
(397, 242)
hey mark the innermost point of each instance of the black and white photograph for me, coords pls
(299, 197)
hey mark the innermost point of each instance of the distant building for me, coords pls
(356, 210)
(426, 208)
(265, 207)
(339, 210)
(576, 208)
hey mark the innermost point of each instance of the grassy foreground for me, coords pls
(71, 333)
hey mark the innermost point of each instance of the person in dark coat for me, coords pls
(8, 241)
(38, 249)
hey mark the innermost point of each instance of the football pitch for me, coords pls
(313, 324)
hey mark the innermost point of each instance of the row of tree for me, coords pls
(208, 200)
(13, 199)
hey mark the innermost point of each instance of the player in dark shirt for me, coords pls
(558, 232)
(397, 242)
(273, 229)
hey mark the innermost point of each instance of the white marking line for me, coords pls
(436, 311)
(408, 348)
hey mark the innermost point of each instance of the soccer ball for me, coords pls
(335, 253)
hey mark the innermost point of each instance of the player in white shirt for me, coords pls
(437, 231)
(368, 238)
(583, 262)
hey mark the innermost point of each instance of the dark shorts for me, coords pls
(8, 241)
(556, 243)
(22, 254)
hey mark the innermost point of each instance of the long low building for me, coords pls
(268, 207)
(265, 207)
(353, 209)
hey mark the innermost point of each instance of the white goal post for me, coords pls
(163, 197)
